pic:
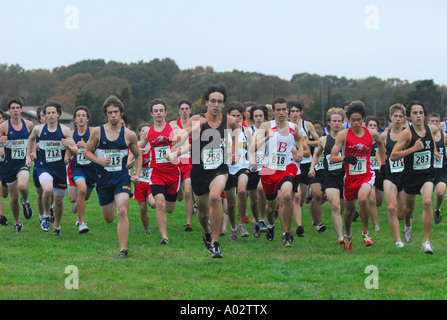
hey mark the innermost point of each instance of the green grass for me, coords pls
(32, 262)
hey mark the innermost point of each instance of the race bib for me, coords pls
(80, 158)
(53, 154)
(421, 160)
(358, 168)
(374, 163)
(333, 166)
(320, 164)
(160, 153)
(144, 176)
(212, 158)
(438, 164)
(397, 166)
(277, 161)
(115, 160)
(18, 150)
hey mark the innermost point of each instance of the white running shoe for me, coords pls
(426, 247)
(83, 228)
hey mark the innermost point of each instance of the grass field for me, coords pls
(33, 263)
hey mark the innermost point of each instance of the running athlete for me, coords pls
(3, 219)
(418, 149)
(277, 175)
(356, 143)
(54, 140)
(258, 115)
(83, 171)
(142, 190)
(109, 147)
(392, 184)
(238, 174)
(332, 173)
(439, 166)
(209, 173)
(14, 134)
(164, 175)
(185, 165)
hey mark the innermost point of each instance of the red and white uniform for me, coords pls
(143, 189)
(163, 172)
(360, 173)
(278, 163)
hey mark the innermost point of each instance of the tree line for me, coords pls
(90, 82)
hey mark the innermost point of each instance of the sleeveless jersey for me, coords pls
(392, 167)
(15, 147)
(306, 137)
(118, 152)
(80, 160)
(242, 151)
(51, 153)
(161, 145)
(441, 165)
(420, 162)
(279, 148)
(335, 169)
(359, 147)
(212, 146)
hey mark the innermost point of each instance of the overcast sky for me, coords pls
(403, 39)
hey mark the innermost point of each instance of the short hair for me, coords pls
(278, 101)
(39, 110)
(83, 108)
(415, 103)
(215, 88)
(295, 103)
(397, 107)
(249, 104)
(345, 104)
(54, 104)
(372, 118)
(184, 101)
(2, 113)
(434, 115)
(262, 108)
(159, 101)
(356, 106)
(113, 101)
(15, 100)
(144, 124)
(333, 111)
(318, 122)
(235, 105)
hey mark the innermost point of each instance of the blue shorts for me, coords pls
(106, 193)
(10, 174)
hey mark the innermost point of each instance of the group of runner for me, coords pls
(223, 158)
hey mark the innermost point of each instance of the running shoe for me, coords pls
(243, 231)
(18, 227)
(287, 239)
(426, 247)
(233, 236)
(3, 220)
(83, 228)
(195, 209)
(188, 227)
(300, 231)
(51, 214)
(74, 209)
(45, 224)
(27, 210)
(262, 226)
(57, 232)
(438, 216)
(270, 233)
(341, 240)
(321, 228)
(367, 240)
(408, 234)
(215, 250)
(256, 230)
(164, 241)
(308, 196)
(206, 237)
(347, 243)
(399, 244)
(123, 254)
